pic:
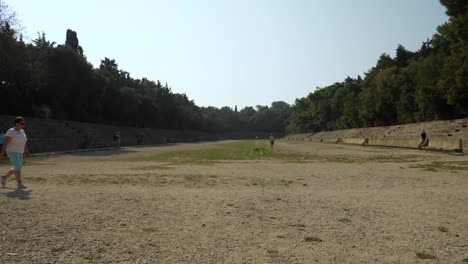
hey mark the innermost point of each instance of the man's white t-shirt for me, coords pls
(17, 142)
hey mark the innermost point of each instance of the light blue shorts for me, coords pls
(16, 159)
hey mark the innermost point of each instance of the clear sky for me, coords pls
(237, 52)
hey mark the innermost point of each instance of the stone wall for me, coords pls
(53, 135)
(443, 135)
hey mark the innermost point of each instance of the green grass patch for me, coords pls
(38, 163)
(155, 167)
(273, 252)
(246, 150)
(95, 255)
(345, 220)
(424, 255)
(298, 225)
(437, 166)
(242, 150)
(465, 260)
(58, 248)
(149, 229)
(21, 241)
(394, 158)
(36, 179)
(313, 239)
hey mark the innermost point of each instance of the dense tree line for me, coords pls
(428, 84)
(43, 79)
(47, 80)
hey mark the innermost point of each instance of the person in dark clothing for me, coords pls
(424, 141)
(140, 138)
(116, 138)
(272, 140)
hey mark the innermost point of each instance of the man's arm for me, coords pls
(26, 149)
(7, 141)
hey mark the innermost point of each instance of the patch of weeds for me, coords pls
(280, 236)
(344, 159)
(149, 229)
(95, 255)
(424, 255)
(241, 150)
(37, 179)
(443, 229)
(298, 225)
(395, 159)
(58, 248)
(313, 239)
(230, 204)
(255, 150)
(193, 177)
(21, 241)
(273, 252)
(436, 166)
(285, 183)
(465, 260)
(155, 167)
(37, 163)
(345, 220)
(134, 200)
(424, 168)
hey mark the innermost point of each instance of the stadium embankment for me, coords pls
(46, 135)
(446, 135)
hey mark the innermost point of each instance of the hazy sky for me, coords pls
(237, 52)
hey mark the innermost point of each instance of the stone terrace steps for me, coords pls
(435, 129)
(443, 135)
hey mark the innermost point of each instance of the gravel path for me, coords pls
(349, 204)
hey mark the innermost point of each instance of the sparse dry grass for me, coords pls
(225, 203)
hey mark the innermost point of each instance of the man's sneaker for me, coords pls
(21, 186)
(3, 181)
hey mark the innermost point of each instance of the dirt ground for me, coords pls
(349, 204)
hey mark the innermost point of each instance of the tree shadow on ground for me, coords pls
(101, 153)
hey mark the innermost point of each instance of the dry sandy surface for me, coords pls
(363, 203)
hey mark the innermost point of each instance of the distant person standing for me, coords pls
(117, 139)
(140, 137)
(15, 146)
(272, 140)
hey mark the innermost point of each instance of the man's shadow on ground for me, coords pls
(18, 194)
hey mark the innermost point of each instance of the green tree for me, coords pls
(42, 43)
(72, 42)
